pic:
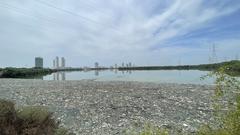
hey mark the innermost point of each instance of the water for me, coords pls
(156, 76)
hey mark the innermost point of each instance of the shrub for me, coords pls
(27, 121)
(227, 115)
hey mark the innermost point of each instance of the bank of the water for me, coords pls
(231, 67)
(152, 76)
(93, 107)
(24, 72)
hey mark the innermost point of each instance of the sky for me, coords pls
(146, 32)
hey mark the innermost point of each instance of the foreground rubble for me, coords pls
(92, 107)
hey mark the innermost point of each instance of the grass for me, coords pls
(28, 121)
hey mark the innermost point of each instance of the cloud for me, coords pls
(109, 31)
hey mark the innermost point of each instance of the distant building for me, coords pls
(57, 62)
(54, 63)
(96, 65)
(39, 62)
(130, 64)
(63, 62)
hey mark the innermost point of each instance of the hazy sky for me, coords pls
(145, 32)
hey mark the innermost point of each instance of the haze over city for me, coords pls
(150, 32)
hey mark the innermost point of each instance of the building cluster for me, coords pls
(96, 65)
(57, 64)
(38, 62)
(126, 65)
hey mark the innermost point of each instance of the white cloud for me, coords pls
(105, 30)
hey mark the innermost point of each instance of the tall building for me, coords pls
(39, 62)
(63, 62)
(96, 65)
(130, 64)
(57, 62)
(54, 64)
(122, 64)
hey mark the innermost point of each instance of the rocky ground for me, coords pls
(108, 108)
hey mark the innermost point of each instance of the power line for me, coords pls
(21, 11)
(73, 14)
(27, 13)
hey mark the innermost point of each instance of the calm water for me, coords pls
(156, 76)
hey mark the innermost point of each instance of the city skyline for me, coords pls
(152, 32)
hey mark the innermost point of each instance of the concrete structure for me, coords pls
(39, 62)
(63, 62)
(130, 64)
(54, 63)
(57, 62)
(96, 65)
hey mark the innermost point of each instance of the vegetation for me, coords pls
(23, 72)
(27, 121)
(232, 66)
(226, 114)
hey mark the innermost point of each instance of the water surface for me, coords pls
(156, 76)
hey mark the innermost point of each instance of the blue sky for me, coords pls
(147, 32)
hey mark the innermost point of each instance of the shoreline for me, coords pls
(92, 107)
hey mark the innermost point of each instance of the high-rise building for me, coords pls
(54, 64)
(57, 62)
(96, 65)
(63, 62)
(130, 64)
(39, 62)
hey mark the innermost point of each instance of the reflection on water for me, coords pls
(59, 76)
(156, 76)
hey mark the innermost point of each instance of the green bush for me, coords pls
(227, 115)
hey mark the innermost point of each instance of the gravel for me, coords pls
(89, 107)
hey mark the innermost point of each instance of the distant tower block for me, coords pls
(63, 62)
(122, 64)
(39, 62)
(96, 65)
(116, 66)
(57, 62)
(130, 64)
(54, 64)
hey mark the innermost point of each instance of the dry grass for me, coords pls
(27, 121)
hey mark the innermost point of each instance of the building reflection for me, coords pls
(96, 72)
(59, 76)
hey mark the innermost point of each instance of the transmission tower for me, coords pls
(236, 57)
(214, 54)
(213, 57)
